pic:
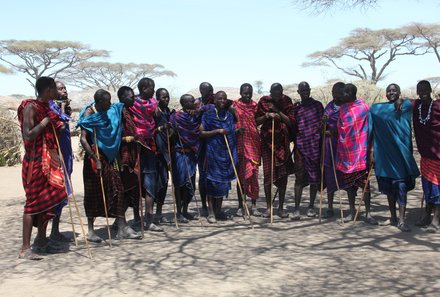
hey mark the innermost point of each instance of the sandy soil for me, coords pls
(227, 259)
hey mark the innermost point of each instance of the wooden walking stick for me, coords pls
(102, 191)
(322, 170)
(141, 206)
(337, 182)
(363, 192)
(272, 169)
(172, 179)
(73, 197)
(238, 182)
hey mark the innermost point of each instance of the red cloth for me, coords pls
(143, 117)
(41, 195)
(248, 147)
(430, 170)
(283, 159)
(427, 135)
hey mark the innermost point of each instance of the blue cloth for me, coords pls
(149, 173)
(397, 188)
(108, 127)
(219, 170)
(431, 192)
(393, 151)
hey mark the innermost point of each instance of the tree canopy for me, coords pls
(320, 6)
(36, 58)
(365, 54)
(112, 76)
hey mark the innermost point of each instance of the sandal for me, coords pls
(29, 255)
(403, 227)
(431, 229)
(211, 219)
(256, 212)
(296, 216)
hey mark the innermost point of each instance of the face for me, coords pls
(392, 93)
(220, 100)
(424, 92)
(206, 91)
(148, 90)
(189, 103)
(128, 98)
(52, 92)
(163, 98)
(62, 91)
(304, 91)
(103, 104)
(337, 94)
(246, 94)
(276, 92)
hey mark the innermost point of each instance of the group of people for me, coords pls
(131, 147)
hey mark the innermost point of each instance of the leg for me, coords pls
(202, 191)
(91, 235)
(330, 197)
(426, 217)
(125, 231)
(351, 193)
(211, 209)
(268, 194)
(298, 194)
(435, 223)
(149, 202)
(368, 218)
(313, 192)
(25, 251)
(282, 196)
(393, 214)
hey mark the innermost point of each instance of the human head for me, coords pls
(102, 100)
(62, 91)
(46, 88)
(206, 90)
(350, 92)
(146, 88)
(276, 91)
(424, 90)
(338, 92)
(392, 92)
(126, 96)
(187, 101)
(220, 100)
(246, 92)
(304, 90)
(163, 97)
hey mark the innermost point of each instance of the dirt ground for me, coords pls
(229, 258)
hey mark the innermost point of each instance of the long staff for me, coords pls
(272, 169)
(66, 174)
(102, 191)
(322, 170)
(172, 179)
(141, 207)
(189, 177)
(337, 183)
(363, 192)
(238, 182)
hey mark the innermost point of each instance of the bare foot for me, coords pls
(28, 254)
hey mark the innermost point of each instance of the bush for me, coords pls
(10, 142)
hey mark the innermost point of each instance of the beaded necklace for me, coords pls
(428, 116)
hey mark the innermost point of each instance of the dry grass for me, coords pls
(10, 141)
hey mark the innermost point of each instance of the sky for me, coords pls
(226, 42)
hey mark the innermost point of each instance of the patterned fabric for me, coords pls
(248, 147)
(307, 130)
(352, 137)
(219, 170)
(431, 192)
(331, 143)
(108, 127)
(143, 115)
(41, 196)
(391, 131)
(427, 136)
(354, 179)
(129, 160)
(113, 189)
(283, 164)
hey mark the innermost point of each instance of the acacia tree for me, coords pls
(428, 34)
(259, 86)
(320, 6)
(368, 53)
(112, 76)
(36, 58)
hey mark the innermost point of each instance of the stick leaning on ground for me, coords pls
(322, 170)
(272, 155)
(238, 182)
(363, 192)
(172, 179)
(337, 183)
(141, 207)
(74, 199)
(102, 191)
